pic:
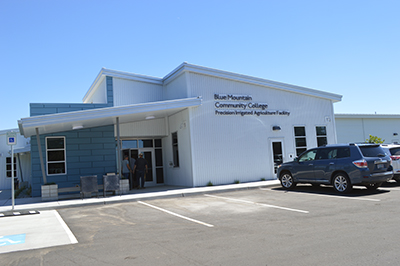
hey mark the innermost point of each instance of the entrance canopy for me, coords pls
(67, 121)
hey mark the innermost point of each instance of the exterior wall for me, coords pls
(153, 128)
(226, 148)
(23, 160)
(128, 92)
(88, 152)
(52, 108)
(103, 93)
(358, 129)
(177, 88)
(100, 95)
(182, 175)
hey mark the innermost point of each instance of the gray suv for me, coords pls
(340, 165)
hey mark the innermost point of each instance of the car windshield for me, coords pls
(372, 151)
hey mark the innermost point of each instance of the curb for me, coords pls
(175, 193)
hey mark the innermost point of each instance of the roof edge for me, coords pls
(119, 74)
(355, 116)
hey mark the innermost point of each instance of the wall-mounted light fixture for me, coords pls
(276, 128)
(150, 117)
(76, 127)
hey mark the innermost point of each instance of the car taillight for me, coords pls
(361, 163)
(395, 157)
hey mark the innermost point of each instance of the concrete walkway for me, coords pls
(24, 204)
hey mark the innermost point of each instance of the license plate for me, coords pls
(380, 166)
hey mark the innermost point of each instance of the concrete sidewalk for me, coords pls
(134, 195)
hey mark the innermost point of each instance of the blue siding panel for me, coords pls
(79, 141)
(90, 134)
(93, 154)
(90, 146)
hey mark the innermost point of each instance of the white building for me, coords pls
(358, 127)
(195, 125)
(22, 160)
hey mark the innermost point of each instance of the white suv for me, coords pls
(394, 151)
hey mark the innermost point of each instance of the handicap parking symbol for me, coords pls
(12, 240)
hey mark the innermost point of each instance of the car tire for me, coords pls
(341, 183)
(373, 186)
(287, 181)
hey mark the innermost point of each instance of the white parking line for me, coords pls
(175, 214)
(390, 188)
(259, 204)
(70, 235)
(328, 196)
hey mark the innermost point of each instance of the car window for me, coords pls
(308, 156)
(395, 151)
(327, 153)
(372, 151)
(343, 152)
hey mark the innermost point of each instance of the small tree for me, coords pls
(374, 139)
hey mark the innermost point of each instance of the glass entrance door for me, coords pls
(152, 153)
(149, 157)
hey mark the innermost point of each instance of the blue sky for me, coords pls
(52, 50)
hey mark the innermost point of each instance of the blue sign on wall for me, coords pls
(12, 240)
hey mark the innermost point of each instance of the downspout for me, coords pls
(20, 168)
(41, 156)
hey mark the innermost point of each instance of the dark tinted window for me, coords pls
(323, 154)
(145, 143)
(321, 131)
(299, 131)
(300, 142)
(333, 153)
(343, 152)
(55, 143)
(157, 143)
(372, 151)
(321, 141)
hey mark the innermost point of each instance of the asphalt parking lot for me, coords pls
(261, 226)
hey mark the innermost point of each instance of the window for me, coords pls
(9, 166)
(300, 139)
(55, 152)
(159, 161)
(175, 149)
(308, 156)
(343, 152)
(321, 136)
(328, 153)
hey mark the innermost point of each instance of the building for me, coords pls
(22, 160)
(195, 126)
(358, 127)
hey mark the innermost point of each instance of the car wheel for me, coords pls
(341, 183)
(287, 180)
(373, 186)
